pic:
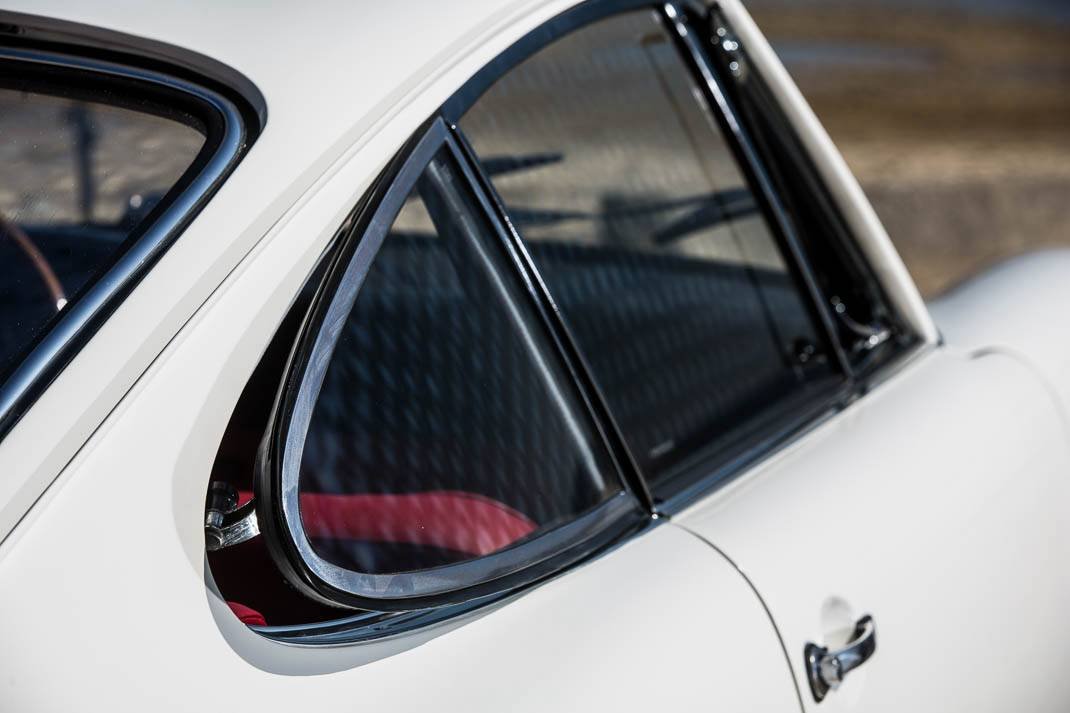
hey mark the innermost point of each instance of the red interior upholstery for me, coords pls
(250, 617)
(463, 522)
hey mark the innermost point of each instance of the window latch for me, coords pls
(728, 47)
(225, 522)
(869, 336)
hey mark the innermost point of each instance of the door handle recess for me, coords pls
(827, 669)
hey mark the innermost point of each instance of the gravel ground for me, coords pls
(954, 116)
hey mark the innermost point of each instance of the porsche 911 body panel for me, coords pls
(662, 622)
(936, 504)
(931, 498)
(1018, 307)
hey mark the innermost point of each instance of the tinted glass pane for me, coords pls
(440, 434)
(648, 237)
(76, 179)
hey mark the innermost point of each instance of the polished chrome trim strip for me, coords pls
(83, 317)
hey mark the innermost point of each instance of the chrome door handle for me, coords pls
(827, 669)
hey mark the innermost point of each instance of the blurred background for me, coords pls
(954, 115)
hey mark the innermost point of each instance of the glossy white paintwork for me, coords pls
(661, 623)
(938, 505)
(1019, 307)
(891, 505)
(111, 596)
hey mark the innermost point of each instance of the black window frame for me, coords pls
(127, 71)
(824, 233)
(686, 21)
(798, 412)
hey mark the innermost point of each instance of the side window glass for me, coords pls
(657, 254)
(78, 177)
(442, 431)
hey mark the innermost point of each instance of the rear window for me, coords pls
(80, 176)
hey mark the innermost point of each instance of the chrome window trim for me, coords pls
(83, 317)
(279, 462)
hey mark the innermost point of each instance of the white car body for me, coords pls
(935, 502)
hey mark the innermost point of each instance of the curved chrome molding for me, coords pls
(83, 316)
(279, 463)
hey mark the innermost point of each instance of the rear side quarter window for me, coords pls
(429, 444)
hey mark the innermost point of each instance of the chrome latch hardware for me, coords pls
(869, 336)
(726, 41)
(827, 669)
(225, 522)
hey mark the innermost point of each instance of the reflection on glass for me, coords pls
(439, 435)
(649, 239)
(76, 179)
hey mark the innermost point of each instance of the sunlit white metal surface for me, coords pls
(942, 495)
(965, 456)
(1018, 307)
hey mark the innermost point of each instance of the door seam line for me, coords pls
(761, 600)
